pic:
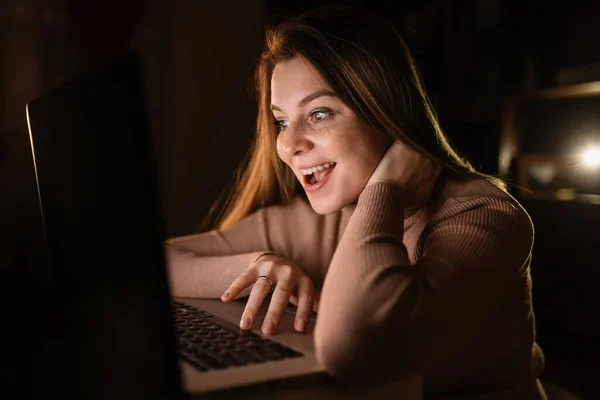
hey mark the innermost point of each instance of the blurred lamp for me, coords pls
(591, 157)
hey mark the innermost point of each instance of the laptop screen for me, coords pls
(109, 332)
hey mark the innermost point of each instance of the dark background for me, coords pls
(474, 55)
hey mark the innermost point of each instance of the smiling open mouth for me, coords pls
(318, 176)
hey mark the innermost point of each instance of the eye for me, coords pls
(281, 124)
(320, 115)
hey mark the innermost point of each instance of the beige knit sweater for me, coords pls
(444, 290)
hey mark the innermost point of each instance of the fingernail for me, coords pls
(268, 327)
(300, 324)
(245, 322)
(225, 295)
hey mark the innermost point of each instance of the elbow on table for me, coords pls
(335, 357)
(364, 357)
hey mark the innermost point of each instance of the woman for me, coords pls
(416, 263)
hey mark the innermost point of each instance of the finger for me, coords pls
(279, 301)
(257, 296)
(317, 301)
(243, 281)
(305, 303)
(294, 300)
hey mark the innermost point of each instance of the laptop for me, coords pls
(114, 331)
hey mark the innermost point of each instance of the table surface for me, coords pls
(322, 386)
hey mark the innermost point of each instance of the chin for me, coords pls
(324, 209)
(328, 206)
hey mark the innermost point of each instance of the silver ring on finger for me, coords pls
(268, 281)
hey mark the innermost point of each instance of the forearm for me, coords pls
(371, 290)
(196, 276)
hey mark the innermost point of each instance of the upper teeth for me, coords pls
(317, 168)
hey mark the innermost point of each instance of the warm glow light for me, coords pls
(591, 157)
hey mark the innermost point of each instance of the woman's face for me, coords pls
(331, 152)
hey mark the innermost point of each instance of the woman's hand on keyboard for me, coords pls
(285, 280)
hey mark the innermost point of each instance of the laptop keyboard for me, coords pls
(209, 343)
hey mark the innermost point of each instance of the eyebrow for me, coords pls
(309, 98)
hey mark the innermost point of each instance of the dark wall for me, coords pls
(208, 103)
(199, 66)
(199, 63)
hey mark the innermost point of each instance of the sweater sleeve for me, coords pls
(378, 311)
(205, 264)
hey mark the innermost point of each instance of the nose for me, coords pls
(295, 141)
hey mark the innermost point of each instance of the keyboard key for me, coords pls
(291, 353)
(274, 355)
(233, 360)
(208, 346)
(209, 360)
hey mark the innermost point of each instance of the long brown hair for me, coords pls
(368, 66)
